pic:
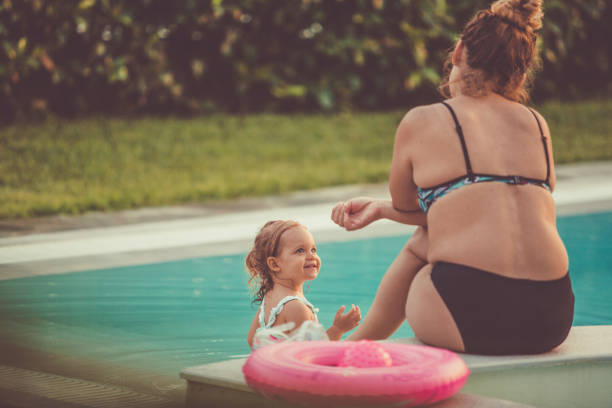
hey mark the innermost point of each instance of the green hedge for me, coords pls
(74, 57)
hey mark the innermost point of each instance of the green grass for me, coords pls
(581, 131)
(108, 164)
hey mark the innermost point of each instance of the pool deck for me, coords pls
(575, 374)
(63, 244)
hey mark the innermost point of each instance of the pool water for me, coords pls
(167, 316)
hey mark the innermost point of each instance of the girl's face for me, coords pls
(297, 259)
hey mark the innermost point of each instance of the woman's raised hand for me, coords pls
(356, 213)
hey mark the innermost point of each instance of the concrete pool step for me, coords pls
(27, 388)
(576, 374)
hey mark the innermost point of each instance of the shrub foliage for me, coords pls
(75, 57)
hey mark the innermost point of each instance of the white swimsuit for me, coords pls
(266, 334)
(277, 309)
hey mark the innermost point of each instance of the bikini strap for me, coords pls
(466, 156)
(544, 144)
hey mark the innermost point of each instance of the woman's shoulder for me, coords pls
(422, 112)
(541, 121)
(419, 120)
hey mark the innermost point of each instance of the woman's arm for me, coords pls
(546, 131)
(358, 212)
(403, 207)
(412, 217)
(401, 183)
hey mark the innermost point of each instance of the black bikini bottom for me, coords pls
(500, 315)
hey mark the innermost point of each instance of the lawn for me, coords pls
(106, 164)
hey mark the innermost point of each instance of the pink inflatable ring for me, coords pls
(325, 373)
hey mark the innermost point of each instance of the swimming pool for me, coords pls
(167, 316)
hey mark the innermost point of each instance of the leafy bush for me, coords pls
(75, 57)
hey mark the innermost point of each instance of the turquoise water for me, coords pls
(168, 316)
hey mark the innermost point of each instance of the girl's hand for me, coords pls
(349, 320)
(356, 213)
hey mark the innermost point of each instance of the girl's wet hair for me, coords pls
(266, 245)
(501, 45)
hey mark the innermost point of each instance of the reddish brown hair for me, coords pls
(501, 46)
(266, 245)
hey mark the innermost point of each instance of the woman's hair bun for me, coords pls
(526, 14)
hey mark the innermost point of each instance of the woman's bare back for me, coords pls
(502, 228)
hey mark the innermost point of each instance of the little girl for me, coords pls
(283, 257)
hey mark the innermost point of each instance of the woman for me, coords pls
(487, 273)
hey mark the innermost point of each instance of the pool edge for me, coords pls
(574, 372)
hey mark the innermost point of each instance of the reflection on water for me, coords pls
(168, 316)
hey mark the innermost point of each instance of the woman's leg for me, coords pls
(388, 309)
(428, 315)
